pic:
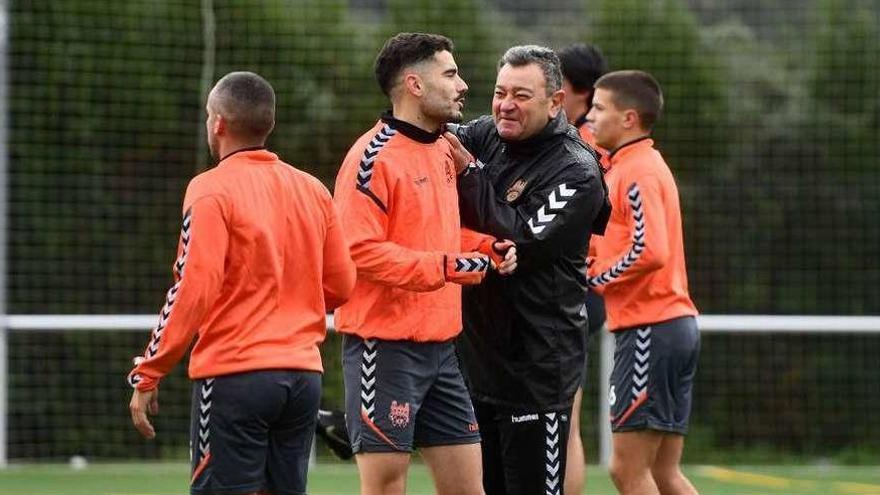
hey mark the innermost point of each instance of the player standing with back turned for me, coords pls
(261, 258)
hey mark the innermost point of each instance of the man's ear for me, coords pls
(631, 119)
(220, 125)
(413, 84)
(556, 100)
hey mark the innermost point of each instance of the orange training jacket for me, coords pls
(261, 258)
(397, 198)
(639, 263)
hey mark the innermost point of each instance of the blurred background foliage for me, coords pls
(771, 126)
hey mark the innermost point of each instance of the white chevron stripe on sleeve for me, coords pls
(365, 170)
(556, 202)
(170, 297)
(638, 241)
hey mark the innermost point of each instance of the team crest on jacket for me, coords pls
(515, 190)
(399, 414)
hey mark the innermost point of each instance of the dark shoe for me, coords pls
(331, 427)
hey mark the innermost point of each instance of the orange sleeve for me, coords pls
(366, 222)
(471, 240)
(591, 250)
(339, 269)
(648, 249)
(198, 278)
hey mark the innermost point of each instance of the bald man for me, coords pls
(261, 258)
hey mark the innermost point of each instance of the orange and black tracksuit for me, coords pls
(396, 194)
(639, 264)
(261, 258)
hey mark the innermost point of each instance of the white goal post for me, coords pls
(751, 324)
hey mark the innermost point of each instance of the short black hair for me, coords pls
(582, 65)
(247, 102)
(404, 50)
(543, 57)
(637, 90)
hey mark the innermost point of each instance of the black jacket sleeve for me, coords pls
(553, 219)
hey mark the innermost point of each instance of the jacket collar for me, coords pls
(631, 147)
(409, 130)
(249, 151)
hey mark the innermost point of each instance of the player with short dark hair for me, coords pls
(261, 258)
(581, 66)
(397, 199)
(639, 267)
(405, 50)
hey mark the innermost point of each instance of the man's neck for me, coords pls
(224, 149)
(630, 137)
(411, 114)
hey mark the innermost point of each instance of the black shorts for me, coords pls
(401, 395)
(524, 452)
(253, 431)
(653, 376)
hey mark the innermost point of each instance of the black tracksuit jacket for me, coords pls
(523, 345)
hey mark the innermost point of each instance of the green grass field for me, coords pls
(341, 479)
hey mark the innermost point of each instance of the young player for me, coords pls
(396, 191)
(639, 267)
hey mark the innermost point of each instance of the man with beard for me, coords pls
(261, 258)
(523, 348)
(397, 198)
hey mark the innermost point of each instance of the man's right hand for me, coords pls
(507, 264)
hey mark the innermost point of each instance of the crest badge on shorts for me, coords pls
(515, 190)
(399, 414)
